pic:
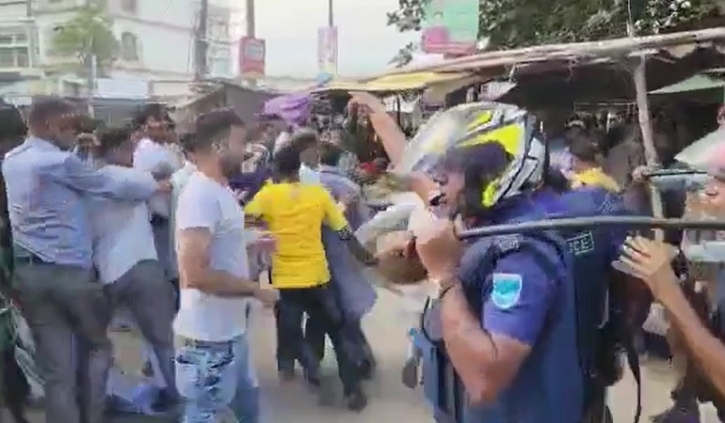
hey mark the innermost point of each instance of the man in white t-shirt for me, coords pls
(213, 368)
(125, 256)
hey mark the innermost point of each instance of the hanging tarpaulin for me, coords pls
(694, 83)
(292, 108)
(450, 26)
(699, 154)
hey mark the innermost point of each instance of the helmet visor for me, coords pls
(424, 152)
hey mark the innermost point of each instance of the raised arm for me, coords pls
(386, 128)
(81, 176)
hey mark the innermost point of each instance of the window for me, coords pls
(14, 57)
(129, 47)
(129, 6)
(12, 39)
(220, 61)
(14, 50)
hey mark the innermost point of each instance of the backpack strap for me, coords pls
(626, 339)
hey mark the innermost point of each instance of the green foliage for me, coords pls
(404, 55)
(519, 23)
(89, 32)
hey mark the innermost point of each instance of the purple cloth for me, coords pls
(356, 294)
(292, 108)
(342, 187)
(251, 182)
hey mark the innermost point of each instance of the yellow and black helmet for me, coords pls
(493, 138)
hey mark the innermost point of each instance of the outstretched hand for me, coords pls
(650, 261)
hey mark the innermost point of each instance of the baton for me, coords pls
(632, 222)
(673, 172)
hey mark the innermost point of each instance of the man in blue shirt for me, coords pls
(64, 306)
(507, 303)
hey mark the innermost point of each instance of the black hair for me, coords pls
(88, 125)
(214, 126)
(556, 180)
(187, 142)
(12, 125)
(157, 111)
(330, 154)
(287, 162)
(584, 149)
(112, 138)
(46, 108)
(480, 165)
(304, 139)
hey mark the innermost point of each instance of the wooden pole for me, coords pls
(651, 159)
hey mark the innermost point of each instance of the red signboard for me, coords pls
(251, 57)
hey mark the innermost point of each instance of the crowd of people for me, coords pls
(172, 233)
(166, 233)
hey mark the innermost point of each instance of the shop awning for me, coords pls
(399, 82)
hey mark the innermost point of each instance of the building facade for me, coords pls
(156, 38)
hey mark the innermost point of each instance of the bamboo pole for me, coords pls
(651, 159)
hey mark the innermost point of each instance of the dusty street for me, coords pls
(390, 400)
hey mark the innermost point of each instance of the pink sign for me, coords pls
(437, 40)
(252, 52)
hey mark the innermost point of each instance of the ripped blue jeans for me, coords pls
(214, 377)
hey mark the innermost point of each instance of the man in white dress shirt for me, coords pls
(155, 154)
(125, 256)
(213, 367)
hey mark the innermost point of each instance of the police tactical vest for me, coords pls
(604, 328)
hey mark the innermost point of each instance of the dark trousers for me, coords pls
(67, 312)
(354, 337)
(320, 304)
(146, 293)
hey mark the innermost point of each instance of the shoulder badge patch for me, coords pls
(506, 289)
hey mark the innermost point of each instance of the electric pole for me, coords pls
(201, 43)
(32, 29)
(251, 30)
(330, 14)
(92, 70)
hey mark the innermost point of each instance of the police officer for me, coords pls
(506, 305)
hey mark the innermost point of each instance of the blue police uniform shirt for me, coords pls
(522, 302)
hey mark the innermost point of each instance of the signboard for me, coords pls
(251, 57)
(327, 50)
(450, 27)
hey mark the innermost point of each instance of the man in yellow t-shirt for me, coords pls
(586, 170)
(294, 212)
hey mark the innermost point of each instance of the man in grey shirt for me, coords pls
(65, 309)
